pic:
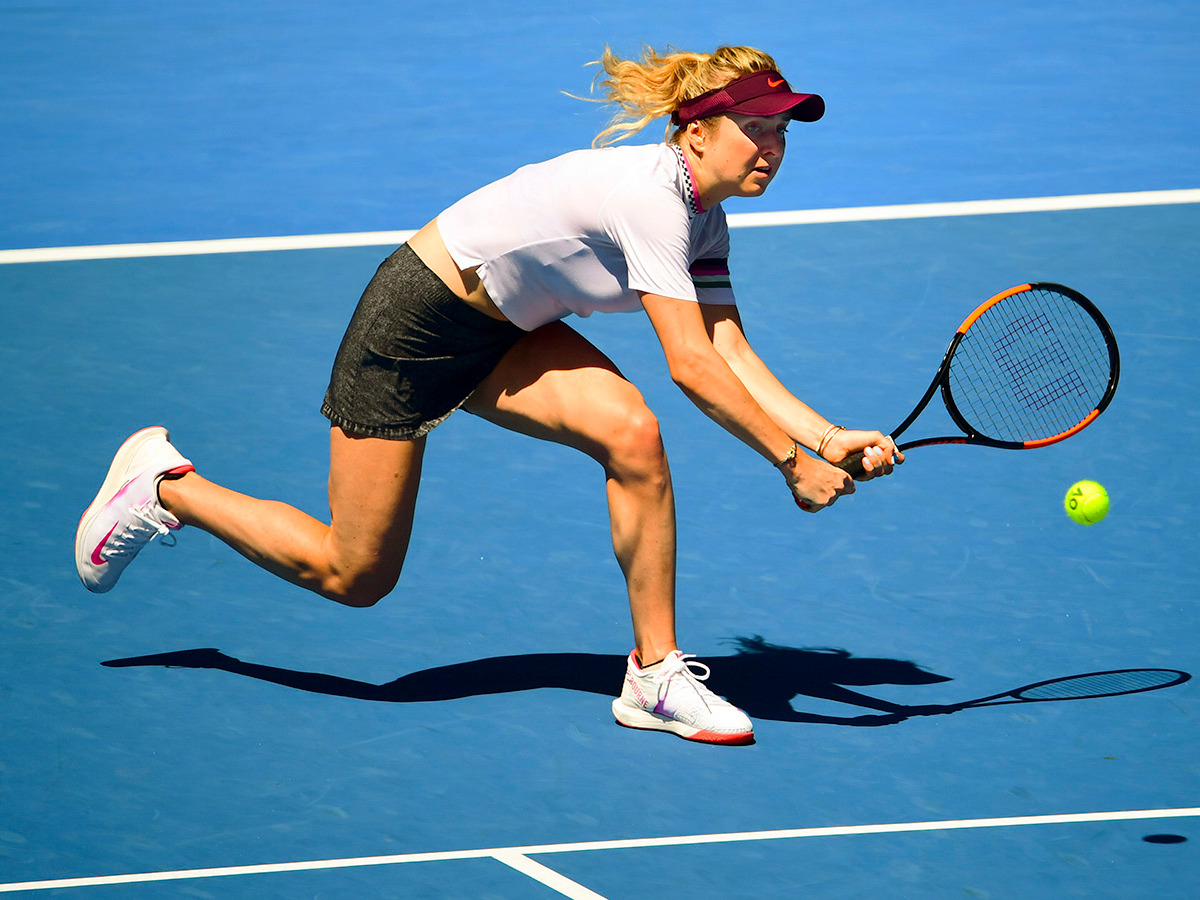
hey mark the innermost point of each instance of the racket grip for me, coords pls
(852, 464)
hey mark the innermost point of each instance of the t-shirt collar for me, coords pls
(690, 196)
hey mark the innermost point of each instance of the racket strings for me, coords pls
(1030, 367)
(1102, 684)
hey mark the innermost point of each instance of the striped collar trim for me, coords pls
(689, 195)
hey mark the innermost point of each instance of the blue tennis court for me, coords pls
(208, 731)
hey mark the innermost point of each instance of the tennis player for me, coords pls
(469, 313)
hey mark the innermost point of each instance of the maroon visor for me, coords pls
(757, 94)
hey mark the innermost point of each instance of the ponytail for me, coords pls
(659, 84)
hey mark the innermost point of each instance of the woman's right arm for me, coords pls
(708, 381)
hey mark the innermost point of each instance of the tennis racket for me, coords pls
(1072, 687)
(1028, 368)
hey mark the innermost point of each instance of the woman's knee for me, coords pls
(360, 587)
(634, 446)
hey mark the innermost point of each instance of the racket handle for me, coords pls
(852, 464)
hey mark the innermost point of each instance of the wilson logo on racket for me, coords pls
(1028, 368)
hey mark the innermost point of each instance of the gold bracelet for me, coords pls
(827, 436)
(791, 457)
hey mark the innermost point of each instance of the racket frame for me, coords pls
(942, 379)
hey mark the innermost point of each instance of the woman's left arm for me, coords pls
(800, 421)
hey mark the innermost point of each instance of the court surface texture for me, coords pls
(194, 199)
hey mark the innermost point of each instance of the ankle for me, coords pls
(170, 490)
(652, 655)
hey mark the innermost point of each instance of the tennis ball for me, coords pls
(1086, 502)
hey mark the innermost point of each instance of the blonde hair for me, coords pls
(659, 84)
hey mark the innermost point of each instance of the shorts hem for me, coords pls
(386, 432)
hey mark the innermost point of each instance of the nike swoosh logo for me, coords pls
(774, 84)
(97, 559)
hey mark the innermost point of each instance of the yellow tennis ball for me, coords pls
(1086, 502)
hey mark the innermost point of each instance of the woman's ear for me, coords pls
(696, 136)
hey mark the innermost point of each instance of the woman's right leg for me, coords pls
(554, 385)
(356, 558)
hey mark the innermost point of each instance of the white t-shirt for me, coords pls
(583, 232)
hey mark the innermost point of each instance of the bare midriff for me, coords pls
(464, 283)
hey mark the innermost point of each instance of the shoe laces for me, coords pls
(692, 672)
(145, 525)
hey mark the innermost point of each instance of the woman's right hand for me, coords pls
(815, 484)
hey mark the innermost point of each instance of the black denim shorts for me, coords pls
(412, 354)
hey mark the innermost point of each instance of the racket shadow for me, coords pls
(761, 678)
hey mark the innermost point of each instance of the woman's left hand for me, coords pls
(880, 455)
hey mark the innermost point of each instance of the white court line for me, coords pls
(547, 876)
(966, 208)
(199, 248)
(736, 220)
(510, 855)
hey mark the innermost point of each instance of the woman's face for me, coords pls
(745, 153)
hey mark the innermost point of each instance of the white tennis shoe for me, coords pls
(126, 514)
(669, 696)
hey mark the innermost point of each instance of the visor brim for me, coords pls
(802, 107)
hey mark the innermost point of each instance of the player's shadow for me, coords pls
(761, 678)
